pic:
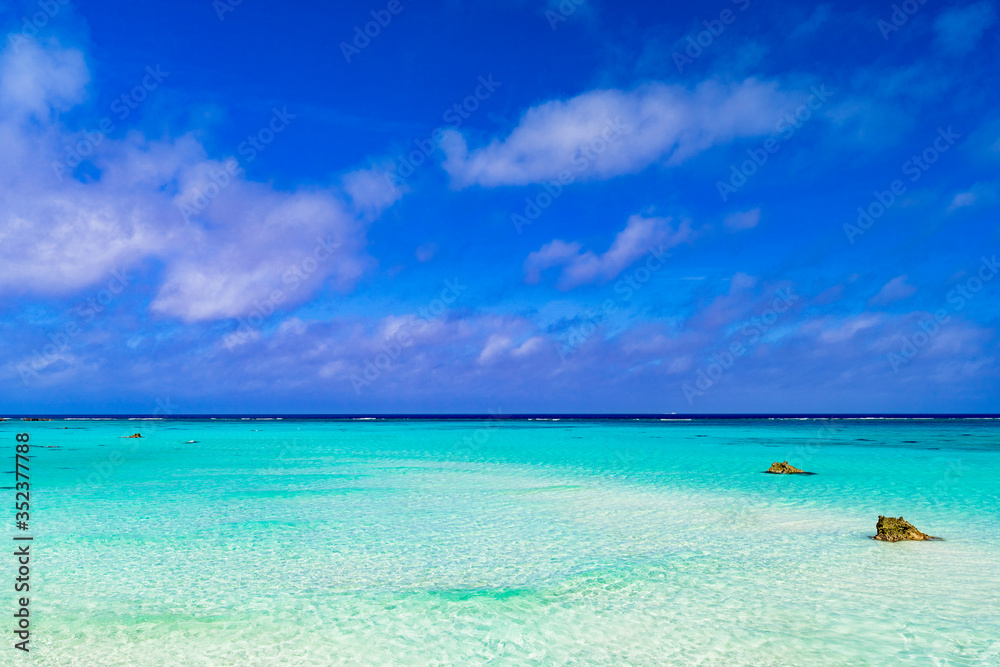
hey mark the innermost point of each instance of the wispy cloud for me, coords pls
(980, 193)
(579, 267)
(959, 29)
(896, 289)
(736, 222)
(654, 123)
(60, 234)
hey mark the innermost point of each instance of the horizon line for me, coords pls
(508, 417)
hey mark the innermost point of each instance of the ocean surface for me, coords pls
(371, 542)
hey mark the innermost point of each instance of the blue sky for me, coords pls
(510, 206)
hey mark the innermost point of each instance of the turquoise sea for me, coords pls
(395, 542)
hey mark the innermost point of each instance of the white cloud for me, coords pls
(742, 220)
(370, 190)
(978, 194)
(848, 328)
(268, 249)
(56, 233)
(496, 345)
(640, 236)
(36, 79)
(292, 325)
(60, 235)
(894, 290)
(961, 200)
(606, 133)
(426, 252)
(528, 347)
(958, 29)
(500, 344)
(741, 281)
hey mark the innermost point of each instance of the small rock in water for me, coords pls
(783, 468)
(891, 529)
(134, 435)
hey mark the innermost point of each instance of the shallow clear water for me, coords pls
(556, 542)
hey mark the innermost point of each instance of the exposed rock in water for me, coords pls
(891, 529)
(35, 419)
(136, 435)
(783, 468)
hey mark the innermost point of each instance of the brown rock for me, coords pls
(136, 435)
(783, 468)
(891, 529)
